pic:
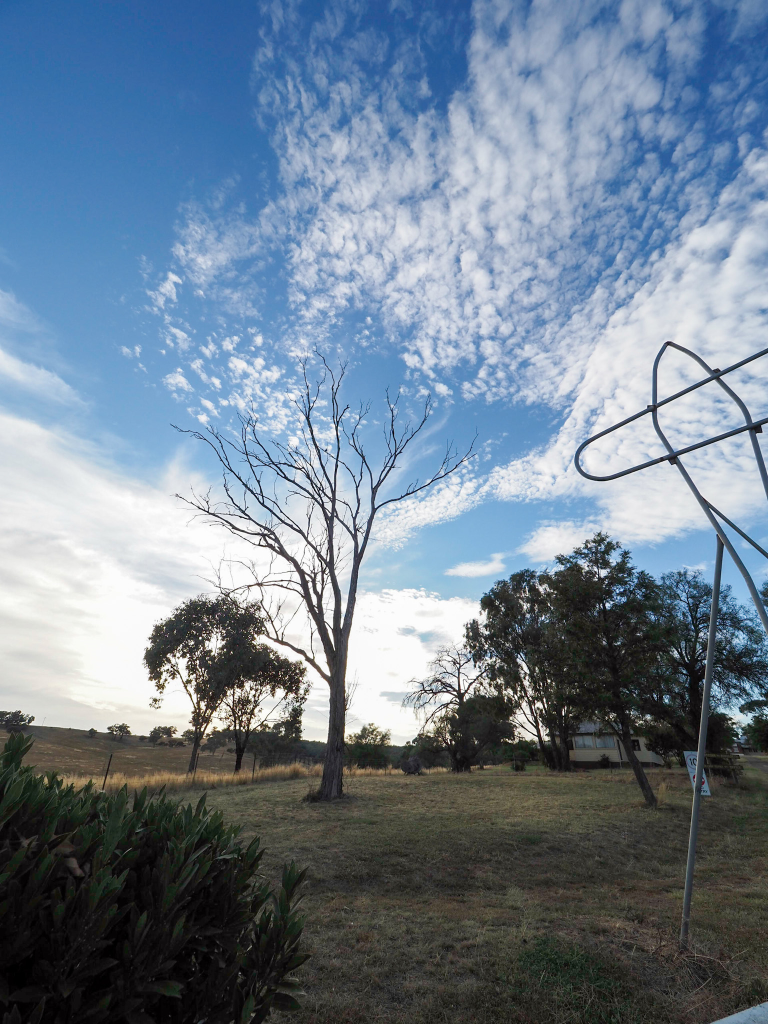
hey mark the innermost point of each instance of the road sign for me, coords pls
(690, 763)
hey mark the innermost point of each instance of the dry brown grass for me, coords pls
(72, 752)
(174, 781)
(520, 898)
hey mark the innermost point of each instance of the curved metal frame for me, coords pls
(716, 519)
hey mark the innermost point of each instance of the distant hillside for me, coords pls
(74, 752)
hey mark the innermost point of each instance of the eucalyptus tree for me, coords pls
(610, 612)
(522, 642)
(309, 504)
(264, 685)
(203, 646)
(741, 654)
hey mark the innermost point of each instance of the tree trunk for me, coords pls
(545, 754)
(239, 751)
(565, 754)
(193, 757)
(637, 768)
(331, 786)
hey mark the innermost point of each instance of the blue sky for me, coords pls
(507, 205)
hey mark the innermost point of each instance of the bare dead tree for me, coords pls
(465, 711)
(454, 676)
(310, 503)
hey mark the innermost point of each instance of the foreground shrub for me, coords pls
(134, 911)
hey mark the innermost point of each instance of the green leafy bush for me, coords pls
(134, 910)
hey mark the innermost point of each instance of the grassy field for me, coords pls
(495, 896)
(520, 898)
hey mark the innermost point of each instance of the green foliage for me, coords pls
(16, 720)
(208, 646)
(466, 710)
(215, 739)
(161, 732)
(137, 910)
(368, 748)
(741, 654)
(523, 644)
(92, 734)
(428, 748)
(119, 732)
(251, 699)
(757, 732)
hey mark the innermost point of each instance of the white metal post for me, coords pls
(702, 749)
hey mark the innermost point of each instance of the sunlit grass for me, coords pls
(174, 781)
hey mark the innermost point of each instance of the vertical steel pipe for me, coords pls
(702, 749)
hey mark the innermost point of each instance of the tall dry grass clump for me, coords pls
(170, 781)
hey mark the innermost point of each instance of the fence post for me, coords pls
(106, 773)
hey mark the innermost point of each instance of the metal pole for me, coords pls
(702, 748)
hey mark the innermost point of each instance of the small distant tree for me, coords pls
(278, 739)
(464, 710)
(161, 732)
(263, 685)
(215, 740)
(92, 734)
(428, 749)
(15, 721)
(119, 732)
(201, 646)
(368, 747)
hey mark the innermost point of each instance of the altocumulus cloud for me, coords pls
(593, 187)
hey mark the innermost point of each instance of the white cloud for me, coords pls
(15, 316)
(37, 381)
(165, 292)
(494, 565)
(395, 636)
(578, 200)
(89, 560)
(176, 382)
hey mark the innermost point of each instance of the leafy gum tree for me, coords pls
(610, 613)
(464, 711)
(368, 747)
(741, 654)
(522, 643)
(202, 647)
(263, 683)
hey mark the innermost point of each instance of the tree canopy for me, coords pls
(265, 689)
(206, 645)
